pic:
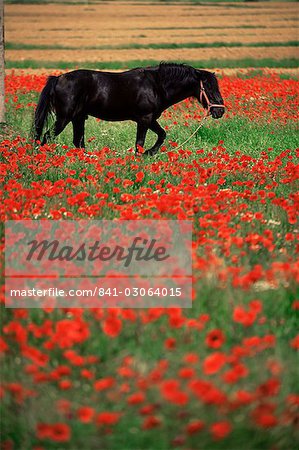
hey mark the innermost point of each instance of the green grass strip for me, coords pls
(208, 64)
(165, 45)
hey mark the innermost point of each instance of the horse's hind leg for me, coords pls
(78, 129)
(156, 128)
(59, 126)
(38, 133)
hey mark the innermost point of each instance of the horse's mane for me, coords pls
(169, 71)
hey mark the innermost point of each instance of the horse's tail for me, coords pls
(44, 106)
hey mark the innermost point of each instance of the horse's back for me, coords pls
(81, 77)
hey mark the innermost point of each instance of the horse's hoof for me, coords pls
(150, 153)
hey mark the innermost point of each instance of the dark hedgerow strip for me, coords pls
(208, 64)
(162, 45)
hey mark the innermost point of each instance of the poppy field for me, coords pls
(221, 375)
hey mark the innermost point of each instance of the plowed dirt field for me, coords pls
(99, 32)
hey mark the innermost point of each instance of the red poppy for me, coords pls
(65, 384)
(139, 176)
(191, 358)
(214, 362)
(215, 338)
(107, 418)
(58, 432)
(263, 415)
(147, 409)
(170, 343)
(61, 432)
(171, 391)
(136, 398)
(103, 384)
(112, 326)
(85, 414)
(220, 430)
(244, 397)
(186, 372)
(194, 426)
(246, 318)
(295, 342)
(151, 422)
(3, 345)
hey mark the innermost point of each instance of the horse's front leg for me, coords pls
(78, 131)
(142, 128)
(156, 128)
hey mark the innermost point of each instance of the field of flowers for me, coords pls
(222, 375)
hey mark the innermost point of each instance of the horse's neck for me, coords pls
(175, 92)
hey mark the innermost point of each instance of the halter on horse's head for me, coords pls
(209, 95)
(210, 105)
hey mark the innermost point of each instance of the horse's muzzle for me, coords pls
(217, 112)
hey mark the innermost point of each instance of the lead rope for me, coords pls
(194, 133)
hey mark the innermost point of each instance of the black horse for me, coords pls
(140, 95)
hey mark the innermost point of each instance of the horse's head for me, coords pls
(209, 94)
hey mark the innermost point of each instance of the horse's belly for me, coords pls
(116, 106)
(110, 116)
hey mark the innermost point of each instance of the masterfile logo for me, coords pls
(90, 260)
(140, 250)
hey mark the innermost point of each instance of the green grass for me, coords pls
(208, 64)
(162, 45)
(237, 132)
